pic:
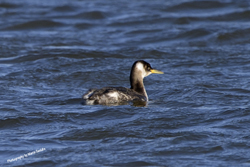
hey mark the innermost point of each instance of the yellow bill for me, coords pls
(156, 71)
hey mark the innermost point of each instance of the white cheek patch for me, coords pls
(140, 67)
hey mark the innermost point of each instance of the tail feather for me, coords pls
(88, 94)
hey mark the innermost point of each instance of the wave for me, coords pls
(234, 36)
(92, 15)
(36, 24)
(7, 5)
(193, 5)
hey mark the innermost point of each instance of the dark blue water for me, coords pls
(52, 52)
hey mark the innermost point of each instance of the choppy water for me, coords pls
(52, 52)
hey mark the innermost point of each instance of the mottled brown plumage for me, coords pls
(114, 95)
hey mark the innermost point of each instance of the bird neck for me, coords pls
(137, 85)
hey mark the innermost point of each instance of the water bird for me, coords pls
(119, 95)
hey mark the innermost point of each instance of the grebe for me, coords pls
(117, 95)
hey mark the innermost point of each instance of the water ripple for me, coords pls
(52, 52)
